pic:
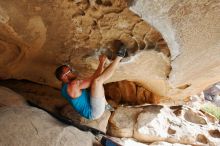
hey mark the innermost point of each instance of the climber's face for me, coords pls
(68, 74)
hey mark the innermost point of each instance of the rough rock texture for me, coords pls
(133, 142)
(50, 99)
(76, 32)
(20, 120)
(10, 98)
(37, 36)
(130, 93)
(192, 31)
(167, 144)
(33, 44)
(23, 125)
(27, 126)
(100, 124)
(175, 124)
(122, 122)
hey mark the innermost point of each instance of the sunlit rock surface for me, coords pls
(100, 124)
(49, 99)
(167, 144)
(24, 125)
(173, 53)
(30, 126)
(133, 142)
(33, 44)
(132, 125)
(175, 124)
(192, 31)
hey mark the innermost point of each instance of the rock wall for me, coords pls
(49, 99)
(27, 126)
(141, 125)
(76, 32)
(37, 36)
(129, 93)
(155, 123)
(192, 31)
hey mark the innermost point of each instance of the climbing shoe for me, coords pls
(121, 51)
(109, 108)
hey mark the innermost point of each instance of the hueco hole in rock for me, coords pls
(109, 72)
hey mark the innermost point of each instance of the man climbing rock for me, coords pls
(87, 96)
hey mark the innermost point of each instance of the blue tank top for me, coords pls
(81, 104)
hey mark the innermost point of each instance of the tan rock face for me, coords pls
(176, 124)
(46, 98)
(192, 31)
(10, 98)
(144, 124)
(76, 32)
(33, 44)
(100, 124)
(130, 93)
(31, 126)
(122, 122)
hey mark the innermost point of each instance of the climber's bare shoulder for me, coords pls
(73, 89)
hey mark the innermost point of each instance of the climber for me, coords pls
(87, 96)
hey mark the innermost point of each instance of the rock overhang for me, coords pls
(81, 29)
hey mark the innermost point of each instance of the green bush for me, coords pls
(212, 109)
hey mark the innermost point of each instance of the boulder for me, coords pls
(129, 93)
(133, 142)
(179, 124)
(185, 26)
(10, 98)
(122, 121)
(36, 44)
(164, 51)
(51, 100)
(174, 124)
(162, 143)
(28, 126)
(100, 124)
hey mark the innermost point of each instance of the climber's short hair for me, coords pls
(59, 71)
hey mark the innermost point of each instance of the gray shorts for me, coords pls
(98, 106)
